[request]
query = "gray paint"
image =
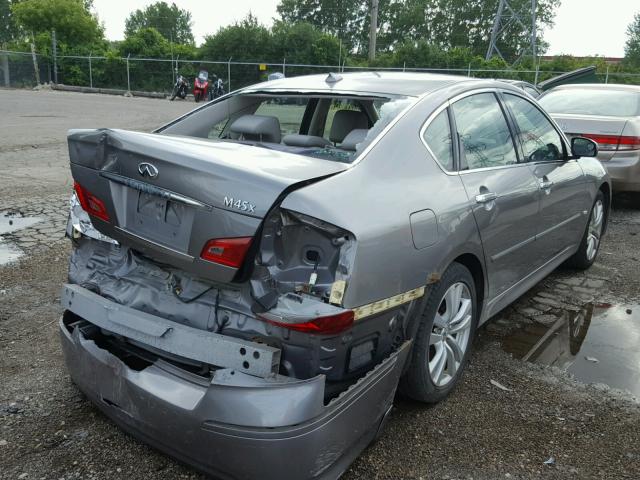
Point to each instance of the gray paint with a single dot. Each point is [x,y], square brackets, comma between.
[197,428]
[172,337]
[390,222]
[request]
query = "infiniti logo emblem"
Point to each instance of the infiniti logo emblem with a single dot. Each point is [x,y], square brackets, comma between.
[147,170]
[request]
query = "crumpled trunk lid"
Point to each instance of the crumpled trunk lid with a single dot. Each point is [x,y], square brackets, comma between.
[166,196]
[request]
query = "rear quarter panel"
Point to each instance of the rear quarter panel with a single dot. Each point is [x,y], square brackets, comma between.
[374,200]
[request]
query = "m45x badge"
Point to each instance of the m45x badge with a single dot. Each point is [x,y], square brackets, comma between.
[242,205]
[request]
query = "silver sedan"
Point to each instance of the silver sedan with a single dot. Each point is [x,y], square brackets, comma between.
[250,284]
[608,114]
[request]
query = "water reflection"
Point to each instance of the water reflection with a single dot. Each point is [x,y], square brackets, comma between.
[600,344]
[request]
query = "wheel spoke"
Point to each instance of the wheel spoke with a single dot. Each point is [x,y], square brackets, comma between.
[440,321]
[453,296]
[455,348]
[435,338]
[464,310]
[452,366]
[462,325]
[437,364]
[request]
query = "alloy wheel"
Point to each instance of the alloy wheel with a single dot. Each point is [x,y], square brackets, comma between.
[450,334]
[595,229]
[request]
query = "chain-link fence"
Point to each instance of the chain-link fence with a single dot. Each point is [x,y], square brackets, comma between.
[18,69]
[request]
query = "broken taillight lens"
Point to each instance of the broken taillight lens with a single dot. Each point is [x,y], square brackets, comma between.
[329,325]
[226,251]
[90,203]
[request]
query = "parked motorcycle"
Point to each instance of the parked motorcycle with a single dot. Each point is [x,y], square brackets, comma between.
[217,88]
[201,86]
[180,89]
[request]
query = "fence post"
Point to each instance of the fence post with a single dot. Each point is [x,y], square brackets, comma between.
[54,49]
[5,69]
[36,69]
[284,66]
[469,71]
[128,78]
[90,72]
[229,74]
[606,78]
[404,67]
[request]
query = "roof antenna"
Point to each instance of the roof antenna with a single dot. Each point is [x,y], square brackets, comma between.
[333,78]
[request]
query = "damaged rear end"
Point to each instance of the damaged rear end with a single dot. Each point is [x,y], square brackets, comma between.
[208,320]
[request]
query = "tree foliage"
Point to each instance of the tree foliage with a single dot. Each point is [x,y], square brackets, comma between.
[173,23]
[632,46]
[8,27]
[443,23]
[74,24]
[246,40]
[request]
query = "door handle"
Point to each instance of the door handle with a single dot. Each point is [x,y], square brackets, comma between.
[486,197]
[546,184]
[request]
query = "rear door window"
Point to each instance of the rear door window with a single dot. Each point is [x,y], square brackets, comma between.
[485,138]
[438,138]
[539,139]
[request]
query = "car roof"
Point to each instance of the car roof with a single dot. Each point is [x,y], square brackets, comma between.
[384,82]
[599,86]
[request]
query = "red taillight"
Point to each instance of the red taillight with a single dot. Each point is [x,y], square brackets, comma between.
[329,325]
[226,251]
[90,203]
[629,143]
[614,142]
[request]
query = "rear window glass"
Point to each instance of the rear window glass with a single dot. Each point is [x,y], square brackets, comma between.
[289,111]
[591,101]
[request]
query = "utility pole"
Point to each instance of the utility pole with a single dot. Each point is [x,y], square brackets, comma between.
[5,67]
[374,30]
[36,70]
[510,17]
[54,49]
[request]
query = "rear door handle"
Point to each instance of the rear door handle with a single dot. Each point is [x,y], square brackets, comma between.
[486,197]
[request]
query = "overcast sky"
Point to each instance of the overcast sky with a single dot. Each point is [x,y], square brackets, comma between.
[582,27]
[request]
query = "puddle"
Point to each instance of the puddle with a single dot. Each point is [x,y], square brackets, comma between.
[12,222]
[601,344]
[9,253]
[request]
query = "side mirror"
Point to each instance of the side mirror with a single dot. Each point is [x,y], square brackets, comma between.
[583,147]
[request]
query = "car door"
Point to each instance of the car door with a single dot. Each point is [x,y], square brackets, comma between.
[503,192]
[563,197]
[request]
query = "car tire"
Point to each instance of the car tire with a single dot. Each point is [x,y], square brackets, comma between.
[590,244]
[440,338]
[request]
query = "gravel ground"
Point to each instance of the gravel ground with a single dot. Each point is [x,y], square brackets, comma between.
[48,430]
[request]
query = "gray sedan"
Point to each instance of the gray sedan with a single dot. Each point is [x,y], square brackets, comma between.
[609,115]
[250,284]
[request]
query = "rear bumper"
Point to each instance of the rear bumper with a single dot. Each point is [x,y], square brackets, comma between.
[624,170]
[218,426]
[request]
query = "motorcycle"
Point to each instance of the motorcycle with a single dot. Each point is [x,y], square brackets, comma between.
[201,86]
[180,89]
[217,88]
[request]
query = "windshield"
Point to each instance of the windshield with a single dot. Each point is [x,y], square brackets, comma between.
[203,75]
[330,127]
[592,101]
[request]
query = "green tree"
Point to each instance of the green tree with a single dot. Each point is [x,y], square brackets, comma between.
[632,46]
[173,23]
[74,24]
[8,27]
[246,40]
[443,23]
[303,43]
[348,20]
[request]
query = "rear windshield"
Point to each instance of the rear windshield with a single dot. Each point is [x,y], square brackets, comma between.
[591,101]
[331,127]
